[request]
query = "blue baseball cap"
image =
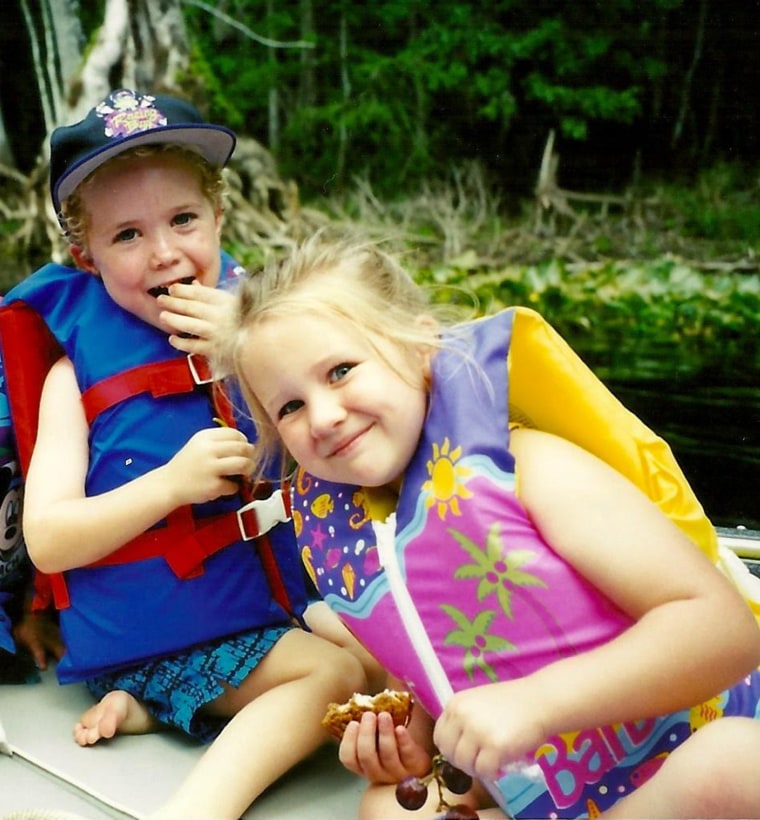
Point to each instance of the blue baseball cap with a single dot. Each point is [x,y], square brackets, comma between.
[126,119]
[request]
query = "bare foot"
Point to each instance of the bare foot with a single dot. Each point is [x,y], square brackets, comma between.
[117,712]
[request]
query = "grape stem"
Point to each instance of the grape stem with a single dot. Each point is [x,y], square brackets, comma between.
[438,761]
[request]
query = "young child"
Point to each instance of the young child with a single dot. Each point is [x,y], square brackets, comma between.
[179,584]
[560,633]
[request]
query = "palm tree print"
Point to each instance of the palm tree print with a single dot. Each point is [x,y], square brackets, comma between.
[497,568]
[474,638]
[501,573]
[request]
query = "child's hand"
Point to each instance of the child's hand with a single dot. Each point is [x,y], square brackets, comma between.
[210,465]
[195,315]
[382,753]
[40,635]
[485,728]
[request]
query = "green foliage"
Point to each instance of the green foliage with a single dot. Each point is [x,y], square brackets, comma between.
[402,87]
[629,320]
[723,205]
[649,302]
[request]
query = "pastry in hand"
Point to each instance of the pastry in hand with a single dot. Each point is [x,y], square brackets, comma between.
[339,715]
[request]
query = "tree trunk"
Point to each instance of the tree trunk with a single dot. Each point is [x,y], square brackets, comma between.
[273,132]
[345,87]
[141,44]
[685,104]
[307,87]
[93,83]
[158,45]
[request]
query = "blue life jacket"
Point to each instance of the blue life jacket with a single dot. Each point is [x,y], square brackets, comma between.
[202,574]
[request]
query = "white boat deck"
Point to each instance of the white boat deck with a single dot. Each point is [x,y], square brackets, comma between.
[43,773]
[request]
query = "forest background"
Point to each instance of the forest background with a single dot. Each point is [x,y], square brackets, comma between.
[597,161]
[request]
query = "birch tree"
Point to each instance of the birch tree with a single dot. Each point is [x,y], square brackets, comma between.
[140,44]
[137,43]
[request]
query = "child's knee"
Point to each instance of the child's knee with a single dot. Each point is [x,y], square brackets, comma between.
[327,667]
[342,668]
[711,773]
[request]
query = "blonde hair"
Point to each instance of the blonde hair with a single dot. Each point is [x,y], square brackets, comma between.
[351,280]
[74,214]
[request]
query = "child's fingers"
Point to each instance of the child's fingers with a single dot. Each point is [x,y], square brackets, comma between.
[177,323]
[377,751]
[198,297]
[174,310]
[413,757]
[347,749]
[387,744]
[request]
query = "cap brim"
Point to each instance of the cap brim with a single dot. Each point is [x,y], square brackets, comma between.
[214,143]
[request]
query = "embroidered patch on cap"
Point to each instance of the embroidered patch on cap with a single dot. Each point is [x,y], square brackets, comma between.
[125,112]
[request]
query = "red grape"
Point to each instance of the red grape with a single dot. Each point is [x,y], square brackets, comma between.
[460,812]
[454,779]
[411,793]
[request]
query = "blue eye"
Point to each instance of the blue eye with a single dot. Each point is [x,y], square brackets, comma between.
[184,218]
[289,407]
[341,371]
[126,235]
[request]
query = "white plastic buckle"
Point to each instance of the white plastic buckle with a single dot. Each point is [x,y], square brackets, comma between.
[194,371]
[269,511]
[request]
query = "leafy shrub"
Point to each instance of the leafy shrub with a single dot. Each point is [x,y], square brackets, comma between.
[628,320]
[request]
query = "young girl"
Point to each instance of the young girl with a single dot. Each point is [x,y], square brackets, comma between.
[560,633]
[171,609]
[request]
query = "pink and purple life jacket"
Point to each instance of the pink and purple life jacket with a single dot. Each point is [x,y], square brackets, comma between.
[457,588]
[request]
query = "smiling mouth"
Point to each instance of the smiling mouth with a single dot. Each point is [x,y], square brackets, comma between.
[347,444]
[163,290]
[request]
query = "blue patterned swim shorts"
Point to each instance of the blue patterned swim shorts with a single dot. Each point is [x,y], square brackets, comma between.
[174,689]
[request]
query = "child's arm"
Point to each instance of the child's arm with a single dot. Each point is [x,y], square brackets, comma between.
[195,316]
[693,636]
[64,528]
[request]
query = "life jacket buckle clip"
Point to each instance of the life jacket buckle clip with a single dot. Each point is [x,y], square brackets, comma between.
[266,512]
[199,369]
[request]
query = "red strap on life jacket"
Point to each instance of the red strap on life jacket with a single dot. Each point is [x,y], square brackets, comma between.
[167,378]
[186,542]
[266,552]
[29,350]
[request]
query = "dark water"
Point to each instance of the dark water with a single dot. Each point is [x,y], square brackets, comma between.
[714,432]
